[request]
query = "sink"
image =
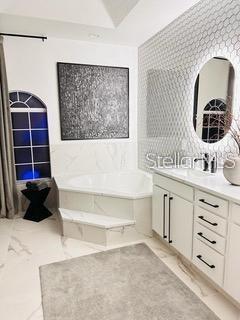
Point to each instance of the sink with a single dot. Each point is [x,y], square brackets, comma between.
[200,173]
[187,172]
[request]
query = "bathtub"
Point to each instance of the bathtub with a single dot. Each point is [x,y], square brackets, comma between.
[128,185]
[120,195]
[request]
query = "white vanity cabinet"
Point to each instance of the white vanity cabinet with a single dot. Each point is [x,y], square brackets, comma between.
[201,223]
[172,214]
[159,208]
[210,231]
[181,225]
[232,272]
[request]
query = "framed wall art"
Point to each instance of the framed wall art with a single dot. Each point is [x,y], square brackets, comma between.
[94,101]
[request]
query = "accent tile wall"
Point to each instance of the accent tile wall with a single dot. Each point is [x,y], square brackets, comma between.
[168,66]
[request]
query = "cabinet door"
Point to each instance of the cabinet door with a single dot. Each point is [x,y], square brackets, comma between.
[181,225]
[159,210]
[232,271]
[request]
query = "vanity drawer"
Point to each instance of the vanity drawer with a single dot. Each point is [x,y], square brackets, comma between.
[211,221]
[212,203]
[174,186]
[208,261]
[236,213]
[210,238]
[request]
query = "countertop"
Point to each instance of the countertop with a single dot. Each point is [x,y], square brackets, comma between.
[213,183]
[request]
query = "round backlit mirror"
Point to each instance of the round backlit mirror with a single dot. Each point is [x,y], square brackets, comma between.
[213,100]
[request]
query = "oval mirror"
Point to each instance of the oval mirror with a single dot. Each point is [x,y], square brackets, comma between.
[213,100]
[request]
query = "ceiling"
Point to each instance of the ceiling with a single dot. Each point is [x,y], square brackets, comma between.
[127,22]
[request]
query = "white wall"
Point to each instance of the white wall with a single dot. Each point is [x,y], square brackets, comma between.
[31,66]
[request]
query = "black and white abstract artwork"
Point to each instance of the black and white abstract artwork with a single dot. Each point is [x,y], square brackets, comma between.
[94,101]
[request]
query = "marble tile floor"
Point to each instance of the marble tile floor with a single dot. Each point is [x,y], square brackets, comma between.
[25,245]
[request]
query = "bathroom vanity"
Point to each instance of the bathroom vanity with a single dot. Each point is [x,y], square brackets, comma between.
[198,214]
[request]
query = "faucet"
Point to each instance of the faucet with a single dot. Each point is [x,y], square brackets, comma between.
[206,159]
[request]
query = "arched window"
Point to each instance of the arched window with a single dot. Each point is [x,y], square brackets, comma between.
[213,128]
[30,136]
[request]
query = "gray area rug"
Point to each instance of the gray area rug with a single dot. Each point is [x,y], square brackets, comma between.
[129,283]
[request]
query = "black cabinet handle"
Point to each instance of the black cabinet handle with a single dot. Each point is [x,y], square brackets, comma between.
[164,215]
[169,220]
[209,265]
[202,236]
[209,204]
[211,223]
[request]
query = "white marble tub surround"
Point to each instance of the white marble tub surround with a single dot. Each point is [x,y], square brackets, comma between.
[91,156]
[122,195]
[214,183]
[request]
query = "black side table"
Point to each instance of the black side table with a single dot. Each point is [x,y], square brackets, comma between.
[36,210]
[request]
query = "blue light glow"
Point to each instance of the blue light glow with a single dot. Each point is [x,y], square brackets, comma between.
[27,175]
[37,174]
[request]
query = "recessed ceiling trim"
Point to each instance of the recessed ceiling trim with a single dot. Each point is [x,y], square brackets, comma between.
[119,9]
[144,20]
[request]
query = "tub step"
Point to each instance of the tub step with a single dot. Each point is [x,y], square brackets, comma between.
[99,229]
[93,219]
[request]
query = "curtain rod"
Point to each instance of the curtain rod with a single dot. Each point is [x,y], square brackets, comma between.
[23,36]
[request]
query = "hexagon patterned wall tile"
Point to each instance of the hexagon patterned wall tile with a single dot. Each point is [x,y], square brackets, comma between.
[168,66]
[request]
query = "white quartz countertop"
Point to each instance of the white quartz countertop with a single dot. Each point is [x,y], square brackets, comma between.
[212,183]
